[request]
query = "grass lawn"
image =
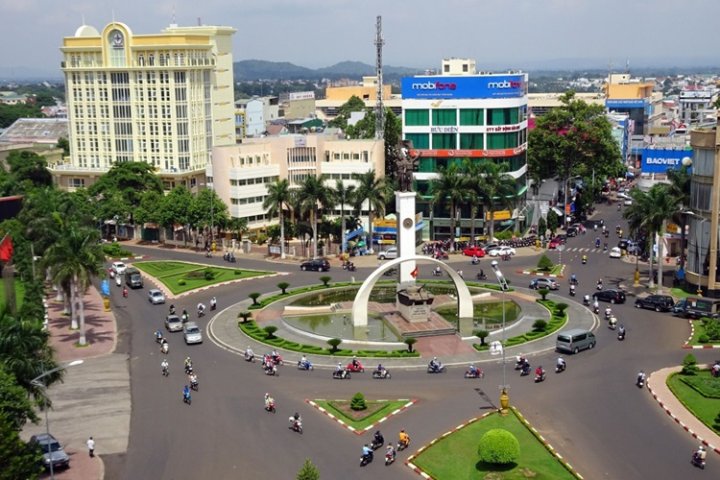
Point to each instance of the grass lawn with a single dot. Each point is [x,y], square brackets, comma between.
[19,294]
[699,329]
[456,458]
[704,408]
[181,277]
[680,293]
[363,418]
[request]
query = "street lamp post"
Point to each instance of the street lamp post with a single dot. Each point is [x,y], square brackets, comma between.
[37,383]
[504,397]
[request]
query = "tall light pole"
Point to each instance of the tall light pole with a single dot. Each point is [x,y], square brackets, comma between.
[37,383]
[504,397]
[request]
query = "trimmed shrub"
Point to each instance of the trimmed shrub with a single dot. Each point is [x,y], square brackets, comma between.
[114,250]
[209,275]
[182,283]
[308,471]
[543,292]
[254,296]
[716,423]
[499,447]
[334,343]
[689,365]
[358,402]
[244,315]
[410,341]
[270,331]
[325,279]
[561,307]
[539,326]
[237,272]
[545,264]
[482,335]
[283,286]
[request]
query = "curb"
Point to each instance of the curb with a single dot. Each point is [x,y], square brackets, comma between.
[409,404]
[519,416]
[678,421]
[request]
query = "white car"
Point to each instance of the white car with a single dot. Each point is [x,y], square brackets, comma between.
[391,252]
[119,268]
[500,251]
[628,202]
[615,252]
[624,196]
[192,333]
[156,297]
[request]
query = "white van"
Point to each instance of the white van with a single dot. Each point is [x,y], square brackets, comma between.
[572,341]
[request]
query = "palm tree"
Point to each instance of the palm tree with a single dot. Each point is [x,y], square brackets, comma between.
[450,188]
[75,258]
[648,212]
[498,188]
[343,195]
[680,180]
[278,198]
[473,184]
[312,196]
[374,190]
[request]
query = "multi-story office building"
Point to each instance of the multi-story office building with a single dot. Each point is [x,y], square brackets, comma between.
[241,173]
[464,114]
[697,105]
[165,99]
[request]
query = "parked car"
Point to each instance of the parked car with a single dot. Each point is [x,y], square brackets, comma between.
[118,267]
[192,333]
[554,243]
[501,251]
[173,323]
[659,303]
[611,295]
[490,246]
[316,265]
[549,283]
[627,202]
[678,310]
[391,252]
[572,231]
[615,252]
[156,297]
[52,451]
[474,252]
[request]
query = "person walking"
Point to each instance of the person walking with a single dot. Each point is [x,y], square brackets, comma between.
[91,446]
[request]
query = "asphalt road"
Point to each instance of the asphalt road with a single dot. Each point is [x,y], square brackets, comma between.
[592,413]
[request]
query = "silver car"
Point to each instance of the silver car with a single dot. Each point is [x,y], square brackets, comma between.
[173,323]
[391,252]
[192,333]
[156,297]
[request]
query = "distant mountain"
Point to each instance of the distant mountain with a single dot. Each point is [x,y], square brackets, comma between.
[261,69]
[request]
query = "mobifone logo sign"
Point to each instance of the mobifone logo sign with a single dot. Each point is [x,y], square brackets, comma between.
[434,86]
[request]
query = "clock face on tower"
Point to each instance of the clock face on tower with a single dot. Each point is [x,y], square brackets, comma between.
[407,223]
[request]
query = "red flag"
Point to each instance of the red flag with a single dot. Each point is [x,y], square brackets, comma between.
[415,272]
[6,249]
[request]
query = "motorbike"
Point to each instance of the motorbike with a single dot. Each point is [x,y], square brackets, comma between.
[403,445]
[438,368]
[540,378]
[194,385]
[599,286]
[355,367]
[596,309]
[341,374]
[275,359]
[306,365]
[520,362]
[697,461]
[621,335]
[474,261]
[584,260]
[608,314]
[481,276]
[296,425]
[612,323]
[188,368]
[270,407]
[381,374]
[208,254]
[186,398]
[158,337]
[377,443]
[572,290]
[271,370]
[366,458]
[201,312]
[437,273]
[525,370]
[125,292]
[586,300]
[165,371]
[165,348]
[597,243]
[560,367]
[172,309]
[477,373]
[213,306]
[249,357]
[389,458]
[640,382]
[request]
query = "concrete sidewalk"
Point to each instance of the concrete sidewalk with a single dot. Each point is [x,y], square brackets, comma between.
[657,384]
[94,397]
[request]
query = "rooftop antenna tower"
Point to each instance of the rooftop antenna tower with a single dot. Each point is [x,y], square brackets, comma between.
[627,65]
[379,106]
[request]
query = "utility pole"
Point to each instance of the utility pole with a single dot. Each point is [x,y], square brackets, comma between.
[379,106]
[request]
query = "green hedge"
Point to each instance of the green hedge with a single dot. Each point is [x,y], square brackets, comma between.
[251,329]
[556,323]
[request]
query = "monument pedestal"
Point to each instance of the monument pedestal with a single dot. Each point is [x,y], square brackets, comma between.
[413,303]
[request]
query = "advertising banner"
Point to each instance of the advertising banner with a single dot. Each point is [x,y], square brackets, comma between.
[656,160]
[495,86]
[625,103]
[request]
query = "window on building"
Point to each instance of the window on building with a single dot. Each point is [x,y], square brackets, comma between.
[503,116]
[471,116]
[444,117]
[77,182]
[446,141]
[471,141]
[419,140]
[414,117]
[502,140]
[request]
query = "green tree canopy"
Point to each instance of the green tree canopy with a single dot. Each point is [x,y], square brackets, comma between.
[28,170]
[354,104]
[14,402]
[130,180]
[176,207]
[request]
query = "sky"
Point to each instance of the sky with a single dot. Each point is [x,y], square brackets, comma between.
[519,34]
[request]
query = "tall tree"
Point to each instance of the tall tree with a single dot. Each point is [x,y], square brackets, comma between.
[130,180]
[648,212]
[343,195]
[208,211]
[473,184]
[354,104]
[28,170]
[450,189]
[498,189]
[175,209]
[374,190]
[393,134]
[275,203]
[14,402]
[680,180]
[18,459]
[314,196]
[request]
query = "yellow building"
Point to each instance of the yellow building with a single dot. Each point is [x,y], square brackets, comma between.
[165,99]
[367,90]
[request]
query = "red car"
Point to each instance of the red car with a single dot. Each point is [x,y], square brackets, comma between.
[554,243]
[474,252]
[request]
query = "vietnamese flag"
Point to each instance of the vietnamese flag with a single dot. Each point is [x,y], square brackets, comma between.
[6,249]
[414,273]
